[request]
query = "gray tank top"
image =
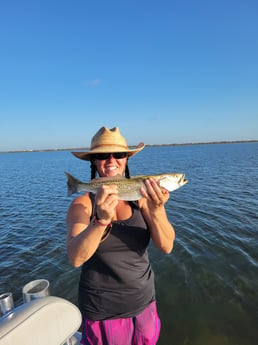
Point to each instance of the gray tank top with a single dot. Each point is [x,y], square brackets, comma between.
[117,281]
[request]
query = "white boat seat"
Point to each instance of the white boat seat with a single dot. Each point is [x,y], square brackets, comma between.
[44,321]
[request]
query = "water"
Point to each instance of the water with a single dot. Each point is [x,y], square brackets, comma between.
[207,288]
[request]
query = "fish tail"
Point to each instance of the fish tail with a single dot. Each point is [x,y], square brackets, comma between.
[72,184]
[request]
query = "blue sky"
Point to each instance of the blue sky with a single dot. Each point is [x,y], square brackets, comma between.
[163,71]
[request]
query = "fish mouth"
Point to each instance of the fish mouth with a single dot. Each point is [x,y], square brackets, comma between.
[182,180]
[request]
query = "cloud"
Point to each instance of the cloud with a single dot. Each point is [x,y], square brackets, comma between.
[94,82]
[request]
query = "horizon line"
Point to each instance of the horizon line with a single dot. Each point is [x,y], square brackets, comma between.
[131,146]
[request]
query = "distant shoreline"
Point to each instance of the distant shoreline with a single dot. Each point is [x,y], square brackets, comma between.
[147,145]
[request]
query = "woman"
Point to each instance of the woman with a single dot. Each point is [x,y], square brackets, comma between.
[109,237]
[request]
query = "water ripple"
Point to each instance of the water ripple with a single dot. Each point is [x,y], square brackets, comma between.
[207,288]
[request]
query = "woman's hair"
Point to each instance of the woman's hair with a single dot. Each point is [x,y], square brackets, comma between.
[94,170]
[127,172]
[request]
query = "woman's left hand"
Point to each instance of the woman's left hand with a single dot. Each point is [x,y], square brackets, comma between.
[156,196]
[153,209]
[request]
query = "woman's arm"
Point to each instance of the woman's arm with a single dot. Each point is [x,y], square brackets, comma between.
[153,210]
[83,236]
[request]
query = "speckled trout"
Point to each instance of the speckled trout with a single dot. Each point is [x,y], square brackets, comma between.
[128,189]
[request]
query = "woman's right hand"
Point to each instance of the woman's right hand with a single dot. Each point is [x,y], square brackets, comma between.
[106,200]
[83,236]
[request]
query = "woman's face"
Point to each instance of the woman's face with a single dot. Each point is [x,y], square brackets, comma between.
[110,166]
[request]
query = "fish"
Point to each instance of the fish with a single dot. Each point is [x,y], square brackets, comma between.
[128,189]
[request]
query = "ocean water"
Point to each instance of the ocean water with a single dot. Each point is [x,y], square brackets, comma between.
[207,288]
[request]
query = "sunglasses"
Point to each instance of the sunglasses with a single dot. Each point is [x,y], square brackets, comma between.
[104,156]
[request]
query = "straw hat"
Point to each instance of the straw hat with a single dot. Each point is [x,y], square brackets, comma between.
[108,140]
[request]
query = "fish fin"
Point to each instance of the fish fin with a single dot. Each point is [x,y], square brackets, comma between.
[72,184]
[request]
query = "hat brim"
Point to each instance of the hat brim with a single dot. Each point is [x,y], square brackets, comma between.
[87,156]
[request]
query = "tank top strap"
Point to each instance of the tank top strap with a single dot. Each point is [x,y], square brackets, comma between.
[92,199]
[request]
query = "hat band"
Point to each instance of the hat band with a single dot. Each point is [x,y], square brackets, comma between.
[107,145]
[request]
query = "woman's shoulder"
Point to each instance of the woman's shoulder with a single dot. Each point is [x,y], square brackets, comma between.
[80,206]
[82,199]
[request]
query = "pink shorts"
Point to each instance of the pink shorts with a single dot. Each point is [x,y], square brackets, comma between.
[142,329]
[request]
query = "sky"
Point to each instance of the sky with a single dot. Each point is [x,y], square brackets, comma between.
[163,71]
